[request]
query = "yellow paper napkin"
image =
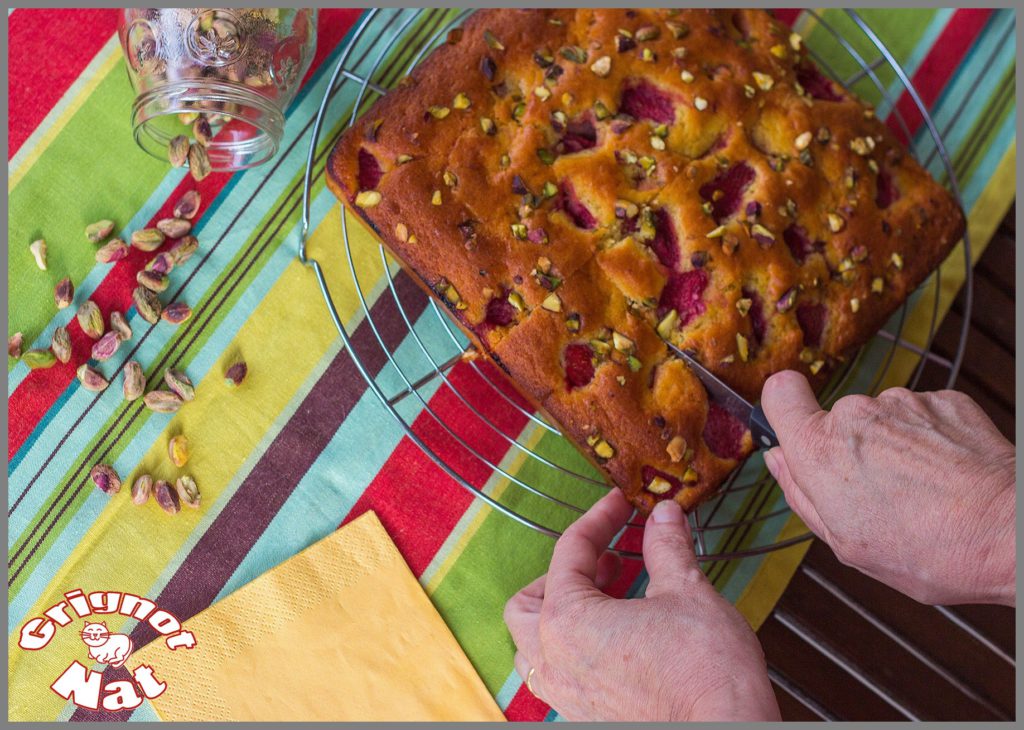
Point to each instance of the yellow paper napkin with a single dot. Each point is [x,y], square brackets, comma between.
[341,631]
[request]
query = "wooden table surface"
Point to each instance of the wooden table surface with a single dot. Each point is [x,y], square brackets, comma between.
[842,646]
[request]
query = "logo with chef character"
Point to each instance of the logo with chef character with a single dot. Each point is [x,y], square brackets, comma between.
[84,685]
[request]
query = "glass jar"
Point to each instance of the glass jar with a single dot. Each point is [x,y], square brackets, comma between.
[237,68]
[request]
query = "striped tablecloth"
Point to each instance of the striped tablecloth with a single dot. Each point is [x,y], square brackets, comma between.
[303,447]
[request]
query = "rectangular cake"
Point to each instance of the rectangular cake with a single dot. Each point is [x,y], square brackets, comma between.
[578,186]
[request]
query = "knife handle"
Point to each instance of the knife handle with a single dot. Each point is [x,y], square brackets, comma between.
[761,430]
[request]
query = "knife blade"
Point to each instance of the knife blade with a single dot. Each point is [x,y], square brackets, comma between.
[733,403]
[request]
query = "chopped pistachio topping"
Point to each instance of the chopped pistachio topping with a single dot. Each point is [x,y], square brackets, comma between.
[461,101]
[764,81]
[859,145]
[516,300]
[690,476]
[803,140]
[749,91]
[677,29]
[602,66]
[572,323]
[742,347]
[435,199]
[758,230]
[542,92]
[700,103]
[657,142]
[854,305]
[505,161]
[647,55]
[604,449]
[574,54]
[402,159]
[676,448]
[634,363]
[877,285]
[439,112]
[518,111]
[368,198]
[402,232]
[488,126]
[659,486]
[816,366]
[668,324]
[873,166]
[449,178]
[686,76]
[549,190]
[806,355]
[519,231]
[897,261]
[836,223]
[621,342]
[743,306]
[794,41]
[552,303]
[778,50]
[717,232]
[492,41]
[601,111]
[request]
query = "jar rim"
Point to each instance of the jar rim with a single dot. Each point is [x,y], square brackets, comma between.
[227,153]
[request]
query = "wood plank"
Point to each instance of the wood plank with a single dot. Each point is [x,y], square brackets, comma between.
[998,261]
[993,311]
[923,627]
[986,363]
[911,682]
[791,709]
[819,677]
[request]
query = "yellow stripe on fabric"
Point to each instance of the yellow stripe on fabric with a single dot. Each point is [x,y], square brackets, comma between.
[105,61]
[282,341]
[768,583]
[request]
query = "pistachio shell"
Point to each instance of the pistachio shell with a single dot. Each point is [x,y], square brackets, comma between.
[188,491]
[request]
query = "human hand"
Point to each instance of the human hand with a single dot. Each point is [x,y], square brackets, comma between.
[915,489]
[680,653]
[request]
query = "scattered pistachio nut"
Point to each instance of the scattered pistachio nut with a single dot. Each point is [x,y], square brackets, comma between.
[676,448]
[604,449]
[236,374]
[177,450]
[119,325]
[198,162]
[188,491]
[38,249]
[183,249]
[90,318]
[142,488]
[176,313]
[99,230]
[162,263]
[177,150]
[162,401]
[152,280]
[659,485]
[148,239]
[180,384]
[188,205]
[174,227]
[201,131]
[14,343]
[105,479]
[148,304]
[106,346]
[602,66]
[39,359]
[166,497]
[111,251]
[60,344]
[134,381]
[700,103]
[91,379]
[64,293]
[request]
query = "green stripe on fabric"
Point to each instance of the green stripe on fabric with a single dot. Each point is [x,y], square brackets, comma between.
[81,177]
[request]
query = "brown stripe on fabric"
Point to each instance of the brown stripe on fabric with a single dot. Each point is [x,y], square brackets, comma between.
[92,455]
[220,550]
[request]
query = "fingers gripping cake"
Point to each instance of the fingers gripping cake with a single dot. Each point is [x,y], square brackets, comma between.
[578,186]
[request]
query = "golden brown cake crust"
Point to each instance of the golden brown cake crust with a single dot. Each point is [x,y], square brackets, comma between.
[578,185]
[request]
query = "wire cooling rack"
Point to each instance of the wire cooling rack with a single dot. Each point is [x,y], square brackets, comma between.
[488,439]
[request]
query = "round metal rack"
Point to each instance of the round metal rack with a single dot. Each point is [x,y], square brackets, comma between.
[406,347]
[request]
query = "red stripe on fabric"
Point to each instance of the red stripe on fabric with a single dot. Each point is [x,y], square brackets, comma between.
[415,500]
[331,27]
[36,394]
[938,67]
[524,707]
[787,15]
[47,50]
